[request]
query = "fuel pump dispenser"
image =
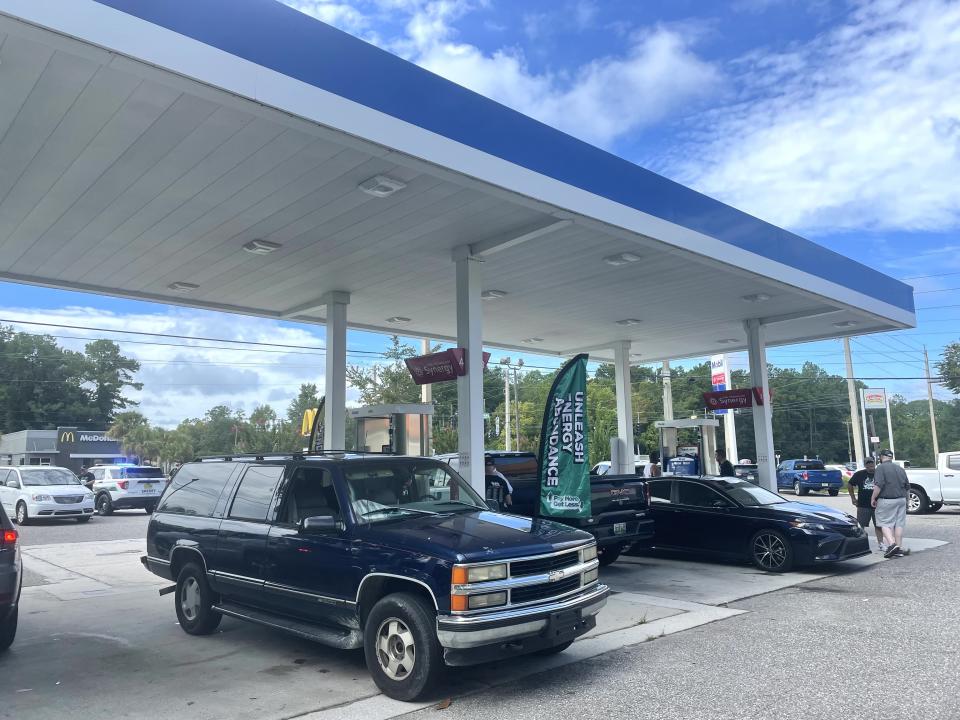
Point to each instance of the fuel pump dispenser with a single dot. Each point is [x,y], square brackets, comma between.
[400,429]
[701,462]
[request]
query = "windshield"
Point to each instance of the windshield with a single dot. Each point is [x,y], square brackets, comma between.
[381,490]
[750,495]
[47,476]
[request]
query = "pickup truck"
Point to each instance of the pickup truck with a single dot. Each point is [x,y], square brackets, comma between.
[802,476]
[932,488]
[620,504]
[358,552]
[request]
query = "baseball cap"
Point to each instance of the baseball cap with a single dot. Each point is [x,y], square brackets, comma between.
[886,453]
[870,461]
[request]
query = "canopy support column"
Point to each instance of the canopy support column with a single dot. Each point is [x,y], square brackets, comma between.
[621,365]
[470,386]
[762,413]
[335,375]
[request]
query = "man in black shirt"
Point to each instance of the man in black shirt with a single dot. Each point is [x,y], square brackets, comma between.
[726,467]
[862,482]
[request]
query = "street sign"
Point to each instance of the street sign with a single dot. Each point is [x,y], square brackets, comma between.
[726,399]
[874,399]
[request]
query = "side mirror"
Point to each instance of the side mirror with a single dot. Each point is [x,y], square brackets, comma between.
[319,524]
[494,505]
[13,484]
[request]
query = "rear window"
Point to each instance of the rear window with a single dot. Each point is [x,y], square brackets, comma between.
[142,472]
[953,462]
[196,488]
[516,466]
[255,493]
[808,465]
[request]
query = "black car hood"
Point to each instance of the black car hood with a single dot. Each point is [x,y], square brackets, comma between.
[811,511]
[476,536]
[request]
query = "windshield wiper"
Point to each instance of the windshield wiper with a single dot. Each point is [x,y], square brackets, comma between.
[395,509]
[460,502]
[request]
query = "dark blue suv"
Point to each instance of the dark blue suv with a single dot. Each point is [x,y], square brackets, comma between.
[397,555]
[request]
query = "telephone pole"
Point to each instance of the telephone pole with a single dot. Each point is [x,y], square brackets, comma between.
[506,402]
[933,420]
[858,442]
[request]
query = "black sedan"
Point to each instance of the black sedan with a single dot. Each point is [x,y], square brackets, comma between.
[731,518]
[11,580]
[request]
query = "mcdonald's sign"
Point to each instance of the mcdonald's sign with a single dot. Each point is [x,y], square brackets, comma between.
[68,436]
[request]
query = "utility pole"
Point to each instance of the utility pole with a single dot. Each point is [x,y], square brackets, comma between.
[516,396]
[507,410]
[858,443]
[933,420]
[846,424]
[669,435]
[426,396]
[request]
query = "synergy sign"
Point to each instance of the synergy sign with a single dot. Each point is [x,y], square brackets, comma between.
[564,470]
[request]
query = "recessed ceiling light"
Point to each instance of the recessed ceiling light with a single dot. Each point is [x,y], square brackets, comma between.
[182,287]
[621,259]
[629,321]
[493,294]
[727,341]
[755,297]
[261,247]
[846,323]
[381,186]
[532,340]
[398,320]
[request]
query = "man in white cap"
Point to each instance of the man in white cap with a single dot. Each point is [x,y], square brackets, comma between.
[891,489]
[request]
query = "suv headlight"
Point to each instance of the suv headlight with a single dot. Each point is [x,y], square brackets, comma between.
[41,498]
[588,554]
[463,575]
[88,496]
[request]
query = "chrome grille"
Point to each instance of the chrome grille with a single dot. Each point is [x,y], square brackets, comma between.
[68,499]
[520,568]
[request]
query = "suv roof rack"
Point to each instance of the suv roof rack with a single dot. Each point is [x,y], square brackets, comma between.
[294,455]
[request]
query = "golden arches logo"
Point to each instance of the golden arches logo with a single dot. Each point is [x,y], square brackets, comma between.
[68,437]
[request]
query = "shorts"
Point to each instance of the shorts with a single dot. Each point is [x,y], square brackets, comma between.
[891,512]
[865,515]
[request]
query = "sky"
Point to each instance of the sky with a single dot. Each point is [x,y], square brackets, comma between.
[838,120]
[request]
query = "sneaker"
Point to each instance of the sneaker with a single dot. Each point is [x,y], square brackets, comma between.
[891,551]
[881,547]
[901,552]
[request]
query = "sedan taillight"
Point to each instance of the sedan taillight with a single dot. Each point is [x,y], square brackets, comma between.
[9,537]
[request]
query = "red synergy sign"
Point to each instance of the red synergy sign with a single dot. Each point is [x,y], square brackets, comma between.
[727,399]
[438,367]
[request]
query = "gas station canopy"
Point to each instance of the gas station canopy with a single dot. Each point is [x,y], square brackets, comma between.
[237,155]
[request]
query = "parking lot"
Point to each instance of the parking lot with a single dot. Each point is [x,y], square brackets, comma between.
[92,622]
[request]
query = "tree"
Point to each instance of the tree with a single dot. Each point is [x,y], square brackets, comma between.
[110,373]
[388,382]
[949,367]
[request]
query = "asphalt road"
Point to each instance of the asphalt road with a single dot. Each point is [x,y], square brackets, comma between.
[122,525]
[879,644]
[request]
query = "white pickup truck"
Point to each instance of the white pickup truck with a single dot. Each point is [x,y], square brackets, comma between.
[932,488]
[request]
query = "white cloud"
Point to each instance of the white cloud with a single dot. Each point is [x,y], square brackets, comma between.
[185,378]
[658,74]
[858,129]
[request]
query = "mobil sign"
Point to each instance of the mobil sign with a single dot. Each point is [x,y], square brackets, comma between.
[718,377]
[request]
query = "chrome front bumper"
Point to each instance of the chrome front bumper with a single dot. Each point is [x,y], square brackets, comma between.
[471,631]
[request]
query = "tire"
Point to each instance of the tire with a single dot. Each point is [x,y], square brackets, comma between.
[84,519]
[104,505]
[608,554]
[8,630]
[798,489]
[933,507]
[917,501]
[401,648]
[21,516]
[194,601]
[834,492]
[556,649]
[771,551]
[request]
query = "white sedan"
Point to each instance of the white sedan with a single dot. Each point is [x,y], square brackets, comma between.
[43,491]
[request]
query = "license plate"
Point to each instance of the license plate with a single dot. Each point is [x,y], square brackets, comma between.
[620,528]
[824,484]
[147,487]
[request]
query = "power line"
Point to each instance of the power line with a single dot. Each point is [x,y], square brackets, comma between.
[924,292]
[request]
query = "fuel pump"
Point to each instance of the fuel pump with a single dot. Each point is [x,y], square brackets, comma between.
[703,460]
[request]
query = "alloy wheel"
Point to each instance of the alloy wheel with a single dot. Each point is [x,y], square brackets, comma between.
[913,501]
[770,551]
[190,598]
[21,514]
[396,650]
